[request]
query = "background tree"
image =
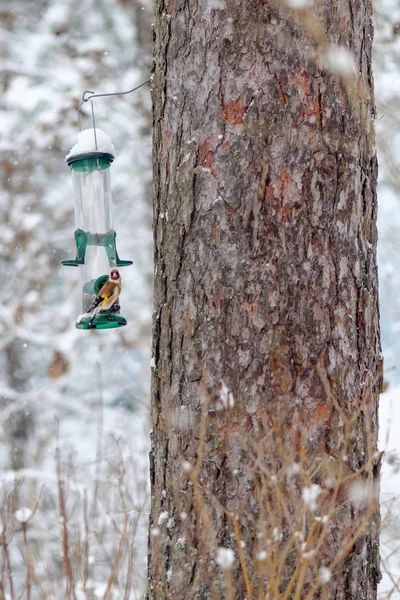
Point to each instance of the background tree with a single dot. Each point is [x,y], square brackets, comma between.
[266,326]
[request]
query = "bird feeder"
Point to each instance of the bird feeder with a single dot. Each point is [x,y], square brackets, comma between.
[96,252]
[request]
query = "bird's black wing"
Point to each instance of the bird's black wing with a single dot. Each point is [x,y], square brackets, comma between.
[98,301]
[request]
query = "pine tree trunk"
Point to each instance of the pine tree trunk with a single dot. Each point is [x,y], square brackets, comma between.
[266,324]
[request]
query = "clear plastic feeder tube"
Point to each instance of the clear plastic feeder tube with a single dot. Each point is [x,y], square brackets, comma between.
[93,214]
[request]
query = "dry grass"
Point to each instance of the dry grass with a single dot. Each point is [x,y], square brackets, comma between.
[62,539]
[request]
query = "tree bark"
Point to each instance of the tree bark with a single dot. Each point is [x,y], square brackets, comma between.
[266,323]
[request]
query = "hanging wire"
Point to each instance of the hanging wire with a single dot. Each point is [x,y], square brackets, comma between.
[94,95]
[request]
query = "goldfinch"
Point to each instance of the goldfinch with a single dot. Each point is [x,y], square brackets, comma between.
[107,295]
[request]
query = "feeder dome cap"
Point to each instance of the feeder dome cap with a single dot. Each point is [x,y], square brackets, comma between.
[86,145]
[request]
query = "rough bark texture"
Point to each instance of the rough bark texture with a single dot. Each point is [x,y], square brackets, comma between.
[265,260]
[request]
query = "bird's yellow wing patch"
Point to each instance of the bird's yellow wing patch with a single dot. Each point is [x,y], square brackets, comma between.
[105,298]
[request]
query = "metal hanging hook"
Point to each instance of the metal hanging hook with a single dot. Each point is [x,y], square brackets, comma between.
[86,98]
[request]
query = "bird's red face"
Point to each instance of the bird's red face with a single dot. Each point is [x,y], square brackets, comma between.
[114,275]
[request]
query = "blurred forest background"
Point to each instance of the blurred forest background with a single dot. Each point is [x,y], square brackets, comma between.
[74,405]
[93,387]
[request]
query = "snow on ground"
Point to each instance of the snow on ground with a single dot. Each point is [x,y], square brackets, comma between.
[389,441]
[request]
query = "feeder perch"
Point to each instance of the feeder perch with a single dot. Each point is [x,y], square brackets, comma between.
[96,251]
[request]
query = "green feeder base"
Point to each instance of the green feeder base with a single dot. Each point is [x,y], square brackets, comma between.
[102,320]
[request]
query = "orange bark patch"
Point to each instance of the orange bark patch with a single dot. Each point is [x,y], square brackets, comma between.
[343,25]
[165,137]
[270,194]
[234,112]
[317,110]
[285,212]
[318,313]
[311,108]
[283,181]
[251,308]
[286,381]
[217,297]
[249,423]
[207,155]
[283,185]
[282,95]
[215,233]
[301,82]
[316,414]
[169,6]
[226,145]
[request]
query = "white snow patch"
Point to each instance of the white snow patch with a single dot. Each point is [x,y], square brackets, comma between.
[153,363]
[276,536]
[86,143]
[210,5]
[23,514]
[262,555]
[359,493]
[293,469]
[310,495]
[82,316]
[100,590]
[154,532]
[324,575]
[163,518]
[299,4]
[226,399]
[322,520]
[225,558]
[339,60]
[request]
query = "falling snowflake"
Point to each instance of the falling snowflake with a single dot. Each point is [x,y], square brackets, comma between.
[226,399]
[324,575]
[225,558]
[310,495]
[339,60]
[23,515]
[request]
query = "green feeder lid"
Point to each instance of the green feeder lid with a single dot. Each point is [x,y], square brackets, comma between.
[86,163]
